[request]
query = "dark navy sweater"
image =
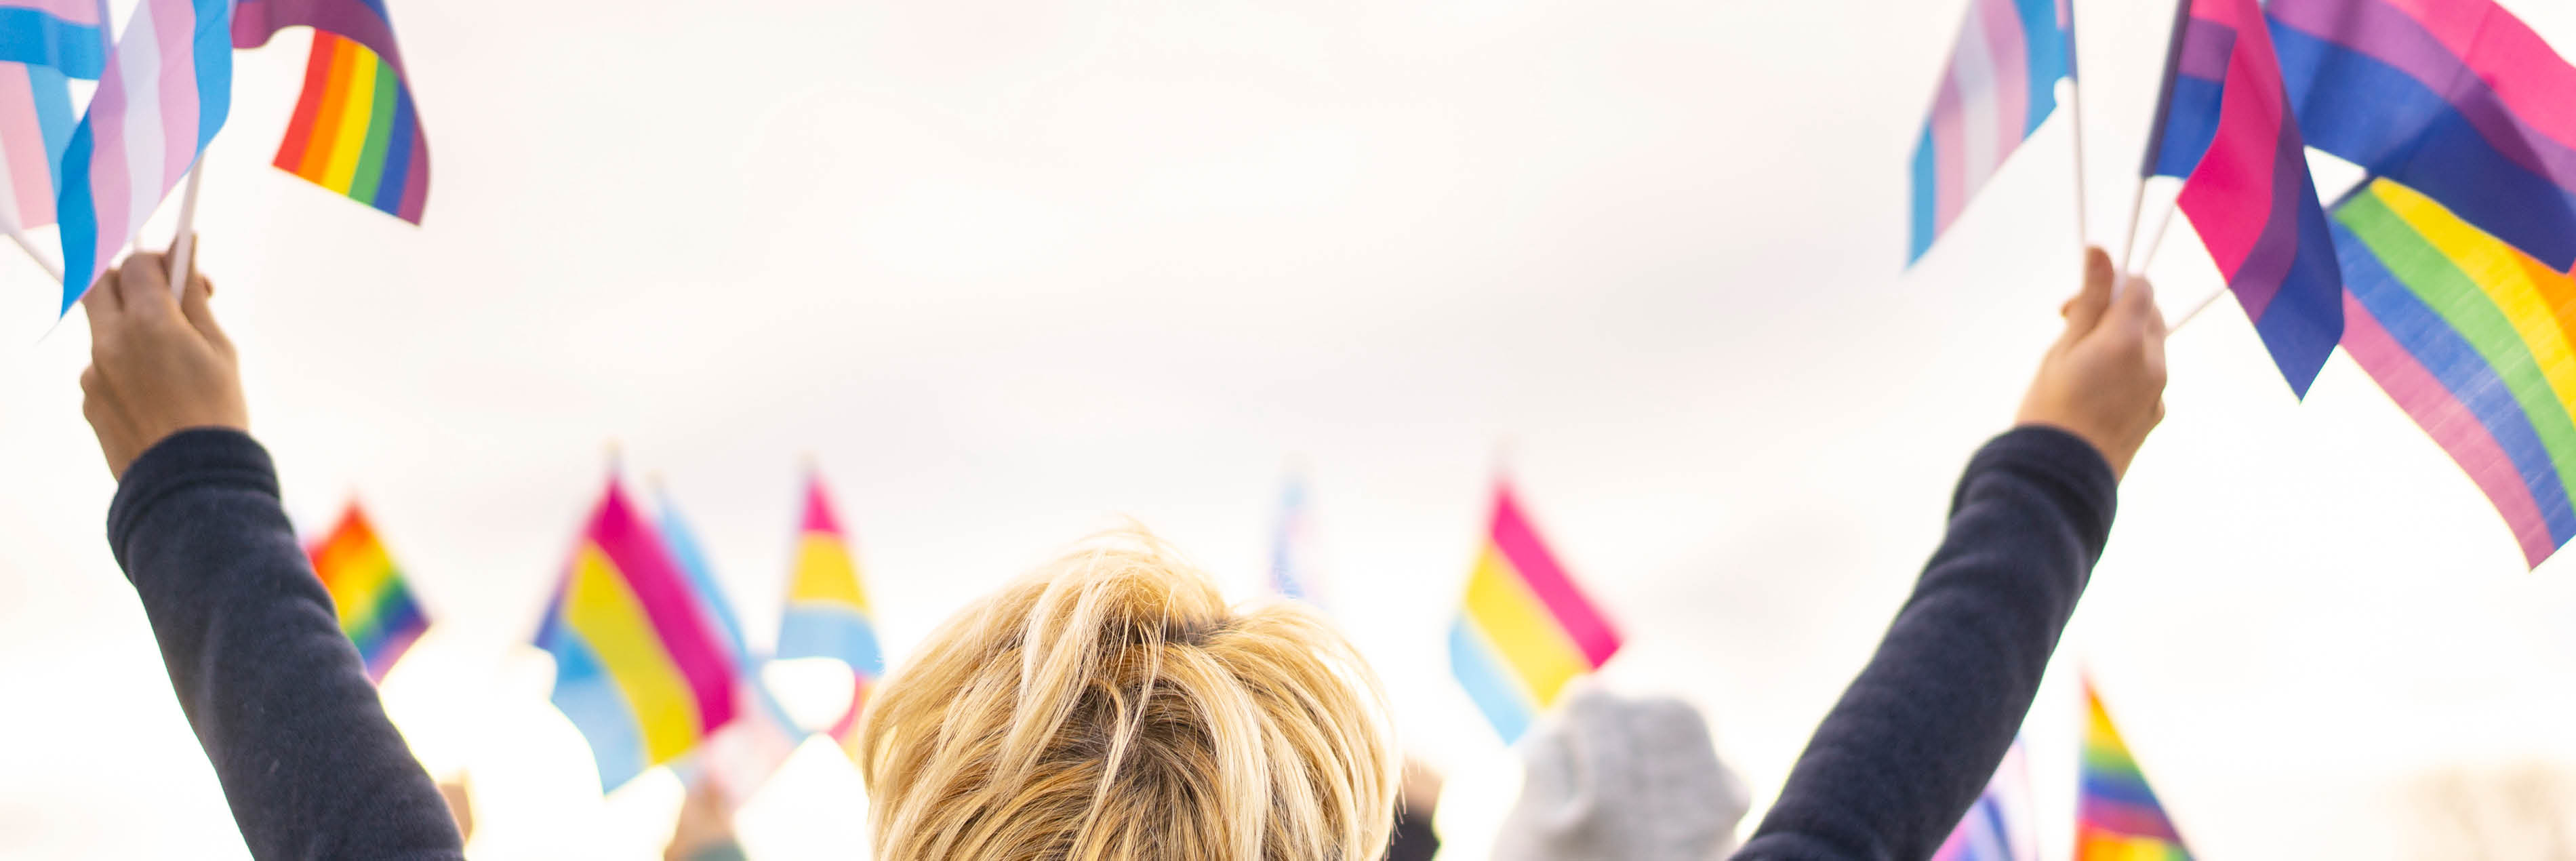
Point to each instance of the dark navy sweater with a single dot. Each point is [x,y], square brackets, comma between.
[275,692]
[312,768]
[1918,734]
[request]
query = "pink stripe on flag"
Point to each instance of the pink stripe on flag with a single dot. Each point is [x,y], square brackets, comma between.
[2450,423]
[2531,78]
[663,591]
[73,11]
[1950,153]
[2011,77]
[178,30]
[22,143]
[1520,546]
[2239,166]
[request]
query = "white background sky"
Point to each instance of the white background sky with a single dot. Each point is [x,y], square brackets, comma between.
[1009,270]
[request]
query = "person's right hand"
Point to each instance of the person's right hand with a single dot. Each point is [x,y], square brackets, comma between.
[2104,379]
[158,365]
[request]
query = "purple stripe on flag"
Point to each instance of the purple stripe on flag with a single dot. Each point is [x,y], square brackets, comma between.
[2205,48]
[2386,34]
[255,21]
[2451,424]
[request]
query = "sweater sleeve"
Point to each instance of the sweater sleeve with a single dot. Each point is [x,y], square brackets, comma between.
[274,691]
[1918,734]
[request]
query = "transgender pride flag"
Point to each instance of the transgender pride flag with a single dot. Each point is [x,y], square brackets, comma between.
[2001,84]
[69,36]
[166,90]
[2226,126]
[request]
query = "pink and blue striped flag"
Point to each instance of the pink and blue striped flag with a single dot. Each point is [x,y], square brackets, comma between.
[35,125]
[828,614]
[69,36]
[2000,85]
[2000,826]
[2457,99]
[166,91]
[639,667]
[2225,125]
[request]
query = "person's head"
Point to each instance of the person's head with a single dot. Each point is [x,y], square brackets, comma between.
[1110,706]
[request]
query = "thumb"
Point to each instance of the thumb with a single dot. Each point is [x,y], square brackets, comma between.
[2085,310]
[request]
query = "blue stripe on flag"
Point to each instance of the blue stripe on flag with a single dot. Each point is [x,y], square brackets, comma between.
[39,39]
[587,696]
[815,630]
[1495,692]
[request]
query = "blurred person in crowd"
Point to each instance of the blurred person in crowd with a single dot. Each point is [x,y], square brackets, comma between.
[1109,705]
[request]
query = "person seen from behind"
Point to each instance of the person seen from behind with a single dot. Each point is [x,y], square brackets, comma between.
[1109,706]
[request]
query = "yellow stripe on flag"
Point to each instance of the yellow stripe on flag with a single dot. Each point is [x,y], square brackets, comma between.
[1522,630]
[824,573]
[2498,271]
[606,614]
[349,141]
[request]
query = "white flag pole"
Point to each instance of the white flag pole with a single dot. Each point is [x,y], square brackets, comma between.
[2075,112]
[183,246]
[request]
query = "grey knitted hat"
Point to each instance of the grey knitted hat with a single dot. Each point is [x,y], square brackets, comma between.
[1614,779]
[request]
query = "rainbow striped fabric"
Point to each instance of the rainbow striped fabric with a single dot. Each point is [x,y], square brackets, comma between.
[2000,85]
[166,91]
[742,754]
[355,130]
[2226,127]
[2458,99]
[35,126]
[1999,827]
[639,667]
[2473,339]
[68,36]
[2117,817]
[374,601]
[827,608]
[1525,630]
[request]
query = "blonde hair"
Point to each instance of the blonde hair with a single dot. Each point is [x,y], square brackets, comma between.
[1109,706]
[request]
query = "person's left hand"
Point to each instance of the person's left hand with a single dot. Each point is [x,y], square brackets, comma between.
[158,365]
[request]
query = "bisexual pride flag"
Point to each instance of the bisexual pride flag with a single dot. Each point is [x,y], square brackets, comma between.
[2000,85]
[639,668]
[2457,99]
[2226,127]
[1525,630]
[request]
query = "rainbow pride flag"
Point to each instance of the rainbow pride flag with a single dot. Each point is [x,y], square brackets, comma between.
[2225,125]
[1525,630]
[166,91]
[374,602]
[827,607]
[356,130]
[2000,826]
[2000,85]
[2117,817]
[746,751]
[2457,99]
[639,667]
[2471,337]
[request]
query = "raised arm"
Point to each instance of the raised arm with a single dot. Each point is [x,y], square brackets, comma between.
[277,696]
[1916,736]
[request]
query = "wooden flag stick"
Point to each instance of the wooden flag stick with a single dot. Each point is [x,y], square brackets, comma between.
[183,246]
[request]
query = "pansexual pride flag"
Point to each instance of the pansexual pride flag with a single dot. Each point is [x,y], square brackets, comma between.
[35,126]
[2472,338]
[68,36]
[1525,630]
[2117,817]
[2226,127]
[165,93]
[827,608]
[2457,99]
[742,754]
[639,667]
[2000,85]
[355,130]
[1999,827]
[375,603]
